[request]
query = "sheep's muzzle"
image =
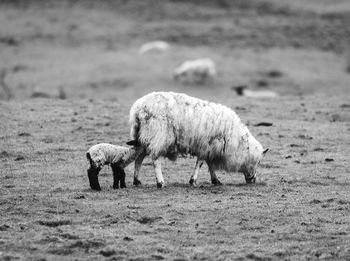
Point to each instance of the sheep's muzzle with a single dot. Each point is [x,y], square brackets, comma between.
[250,179]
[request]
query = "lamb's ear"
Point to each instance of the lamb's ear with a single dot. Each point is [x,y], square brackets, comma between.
[264,152]
[133,143]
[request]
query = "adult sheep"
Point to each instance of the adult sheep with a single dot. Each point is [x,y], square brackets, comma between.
[167,124]
[199,71]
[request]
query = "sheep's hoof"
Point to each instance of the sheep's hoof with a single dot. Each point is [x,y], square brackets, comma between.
[96,188]
[123,186]
[160,184]
[137,182]
[216,182]
[193,182]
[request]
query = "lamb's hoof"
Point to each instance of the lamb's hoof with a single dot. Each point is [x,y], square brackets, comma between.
[122,186]
[160,184]
[250,180]
[216,182]
[137,182]
[193,182]
[96,188]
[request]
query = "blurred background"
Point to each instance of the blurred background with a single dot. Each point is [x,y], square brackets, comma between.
[85,49]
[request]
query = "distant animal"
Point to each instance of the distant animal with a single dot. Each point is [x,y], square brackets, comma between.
[118,157]
[199,71]
[242,90]
[168,124]
[156,46]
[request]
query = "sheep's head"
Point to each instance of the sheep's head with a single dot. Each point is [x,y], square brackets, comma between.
[179,72]
[255,152]
[177,75]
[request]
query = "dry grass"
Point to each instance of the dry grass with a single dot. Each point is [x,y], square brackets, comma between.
[85,60]
[298,209]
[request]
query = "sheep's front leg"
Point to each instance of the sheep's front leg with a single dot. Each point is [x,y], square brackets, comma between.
[138,163]
[214,179]
[118,176]
[158,170]
[193,179]
[93,178]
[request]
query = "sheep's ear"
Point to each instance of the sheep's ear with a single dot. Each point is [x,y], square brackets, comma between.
[266,150]
[133,143]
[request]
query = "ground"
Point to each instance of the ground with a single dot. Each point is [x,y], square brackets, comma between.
[70,72]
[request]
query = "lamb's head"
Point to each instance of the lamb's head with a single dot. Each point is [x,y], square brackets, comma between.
[252,155]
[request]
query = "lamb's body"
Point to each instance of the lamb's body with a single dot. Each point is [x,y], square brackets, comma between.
[167,124]
[197,71]
[118,157]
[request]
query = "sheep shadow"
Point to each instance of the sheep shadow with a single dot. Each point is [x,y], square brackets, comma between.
[207,187]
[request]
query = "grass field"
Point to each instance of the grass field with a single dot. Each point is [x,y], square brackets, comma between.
[298,209]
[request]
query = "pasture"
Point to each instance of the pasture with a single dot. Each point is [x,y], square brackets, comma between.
[71,71]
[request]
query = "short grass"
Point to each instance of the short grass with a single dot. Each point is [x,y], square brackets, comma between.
[300,205]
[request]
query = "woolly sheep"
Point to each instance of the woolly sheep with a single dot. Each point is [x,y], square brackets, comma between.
[167,124]
[200,71]
[118,157]
[156,46]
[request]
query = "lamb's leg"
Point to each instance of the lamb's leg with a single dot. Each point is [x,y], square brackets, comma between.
[122,179]
[214,179]
[158,170]
[118,176]
[93,178]
[138,163]
[193,179]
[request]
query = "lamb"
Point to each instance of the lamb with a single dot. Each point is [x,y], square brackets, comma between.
[200,71]
[167,124]
[117,156]
[156,46]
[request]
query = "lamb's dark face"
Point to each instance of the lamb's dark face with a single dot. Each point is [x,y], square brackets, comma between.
[93,178]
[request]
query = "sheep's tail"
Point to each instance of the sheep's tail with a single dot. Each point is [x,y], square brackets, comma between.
[134,125]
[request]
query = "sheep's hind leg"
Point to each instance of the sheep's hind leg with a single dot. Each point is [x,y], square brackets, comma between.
[118,176]
[214,179]
[193,179]
[93,178]
[158,170]
[138,163]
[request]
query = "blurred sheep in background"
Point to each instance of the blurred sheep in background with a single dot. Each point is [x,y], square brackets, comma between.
[199,71]
[242,90]
[155,46]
